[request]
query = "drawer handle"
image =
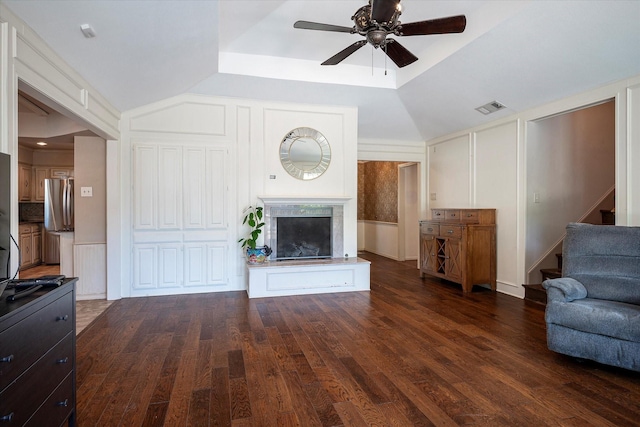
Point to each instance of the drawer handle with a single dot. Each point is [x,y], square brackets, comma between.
[450,231]
[7,359]
[469,215]
[65,360]
[65,318]
[63,403]
[7,417]
[429,229]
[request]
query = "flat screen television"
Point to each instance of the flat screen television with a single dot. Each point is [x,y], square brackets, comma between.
[5,216]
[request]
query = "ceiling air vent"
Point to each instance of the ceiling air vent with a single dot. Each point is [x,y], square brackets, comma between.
[491,107]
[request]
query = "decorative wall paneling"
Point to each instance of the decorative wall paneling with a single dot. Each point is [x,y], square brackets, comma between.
[90,261]
[480,169]
[180,230]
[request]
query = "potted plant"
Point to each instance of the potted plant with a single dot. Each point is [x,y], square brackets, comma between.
[253,218]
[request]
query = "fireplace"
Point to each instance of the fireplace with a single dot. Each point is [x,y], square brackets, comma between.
[303,237]
[314,227]
[304,231]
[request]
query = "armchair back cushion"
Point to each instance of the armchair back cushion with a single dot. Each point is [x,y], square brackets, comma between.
[605,259]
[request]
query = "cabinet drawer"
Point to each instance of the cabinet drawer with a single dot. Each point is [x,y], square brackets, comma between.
[58,406]
[24,229]
[452,215]
[430,228]
[450,231]
[437,214]
[469,216]
[26,341]
[23,397]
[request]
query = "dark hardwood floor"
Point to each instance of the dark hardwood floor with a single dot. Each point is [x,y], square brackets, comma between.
[411,352]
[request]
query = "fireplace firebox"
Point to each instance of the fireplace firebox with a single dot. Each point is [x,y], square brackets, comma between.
[304,231]
[303,237]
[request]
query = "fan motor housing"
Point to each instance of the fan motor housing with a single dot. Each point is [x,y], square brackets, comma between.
[376,37]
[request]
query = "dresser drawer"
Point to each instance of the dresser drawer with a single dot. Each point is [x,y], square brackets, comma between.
[430,228]
[452,215]
[437,214]
[26,341]
[58,406]
[447,230]
[23,397]
[469,216]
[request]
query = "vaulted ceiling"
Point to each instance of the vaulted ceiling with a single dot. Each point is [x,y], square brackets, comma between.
[520,53]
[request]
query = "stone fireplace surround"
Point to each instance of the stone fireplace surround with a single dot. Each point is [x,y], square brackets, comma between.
[335,212]
[341,273]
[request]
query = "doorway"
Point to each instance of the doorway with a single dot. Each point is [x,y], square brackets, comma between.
[388,208]
[54,144]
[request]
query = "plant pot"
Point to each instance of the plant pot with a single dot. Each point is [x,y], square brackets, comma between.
[258,255]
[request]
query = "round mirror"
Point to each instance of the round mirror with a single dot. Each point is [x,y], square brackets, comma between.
[305,153]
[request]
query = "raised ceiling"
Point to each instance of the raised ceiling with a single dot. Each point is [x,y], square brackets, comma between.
[520,53]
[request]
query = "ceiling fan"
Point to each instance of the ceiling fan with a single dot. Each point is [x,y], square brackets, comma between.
[379,19]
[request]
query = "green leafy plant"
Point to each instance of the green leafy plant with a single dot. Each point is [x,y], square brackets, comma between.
[253,218]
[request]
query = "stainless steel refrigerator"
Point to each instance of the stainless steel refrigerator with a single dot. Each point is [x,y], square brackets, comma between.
[58,214]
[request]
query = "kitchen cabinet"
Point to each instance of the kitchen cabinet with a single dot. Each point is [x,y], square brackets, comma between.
[40,175]
[30,245]
[37,357]
[44,172]
[459,245]
[24,182]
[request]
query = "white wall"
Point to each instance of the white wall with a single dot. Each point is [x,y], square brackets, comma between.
[250,132]
[449,173]
[570,167]
[485,155]
[480,169]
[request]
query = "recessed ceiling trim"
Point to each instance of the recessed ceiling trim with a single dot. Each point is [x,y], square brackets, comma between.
[304,70]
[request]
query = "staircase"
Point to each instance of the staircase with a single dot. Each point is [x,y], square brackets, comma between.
[536,293]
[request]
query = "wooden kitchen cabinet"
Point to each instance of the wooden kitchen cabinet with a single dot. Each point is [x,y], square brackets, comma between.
[30,245]
[40,175]
[24,182]
[460,245]
[43,172]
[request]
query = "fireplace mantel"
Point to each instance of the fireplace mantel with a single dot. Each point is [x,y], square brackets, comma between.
[316,200]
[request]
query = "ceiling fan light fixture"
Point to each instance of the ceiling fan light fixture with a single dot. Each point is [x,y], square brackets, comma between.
[490,107]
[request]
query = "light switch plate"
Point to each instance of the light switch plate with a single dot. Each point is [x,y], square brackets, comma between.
[86,191]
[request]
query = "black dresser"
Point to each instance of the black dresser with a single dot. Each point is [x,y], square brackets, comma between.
[38,357]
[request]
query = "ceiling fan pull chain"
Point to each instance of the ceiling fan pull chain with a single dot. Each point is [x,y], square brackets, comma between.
[372,49]
[385,58]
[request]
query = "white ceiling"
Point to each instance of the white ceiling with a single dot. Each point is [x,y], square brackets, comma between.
[521,53]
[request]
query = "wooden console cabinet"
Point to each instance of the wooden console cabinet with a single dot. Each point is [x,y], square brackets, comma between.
[37,358]
[460,245]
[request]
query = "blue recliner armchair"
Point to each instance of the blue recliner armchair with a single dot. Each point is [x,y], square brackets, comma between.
[593,311]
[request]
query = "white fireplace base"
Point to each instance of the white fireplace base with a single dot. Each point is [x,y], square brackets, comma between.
[304,277]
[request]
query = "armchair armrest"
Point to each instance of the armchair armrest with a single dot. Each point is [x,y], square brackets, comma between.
[564,289]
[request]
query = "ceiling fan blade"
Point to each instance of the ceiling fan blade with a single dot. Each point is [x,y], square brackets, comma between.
[343,54]
[306,25]
[399,54]
[383,10]
[452,24]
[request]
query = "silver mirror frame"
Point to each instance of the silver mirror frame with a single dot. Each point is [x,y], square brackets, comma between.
[319,164]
